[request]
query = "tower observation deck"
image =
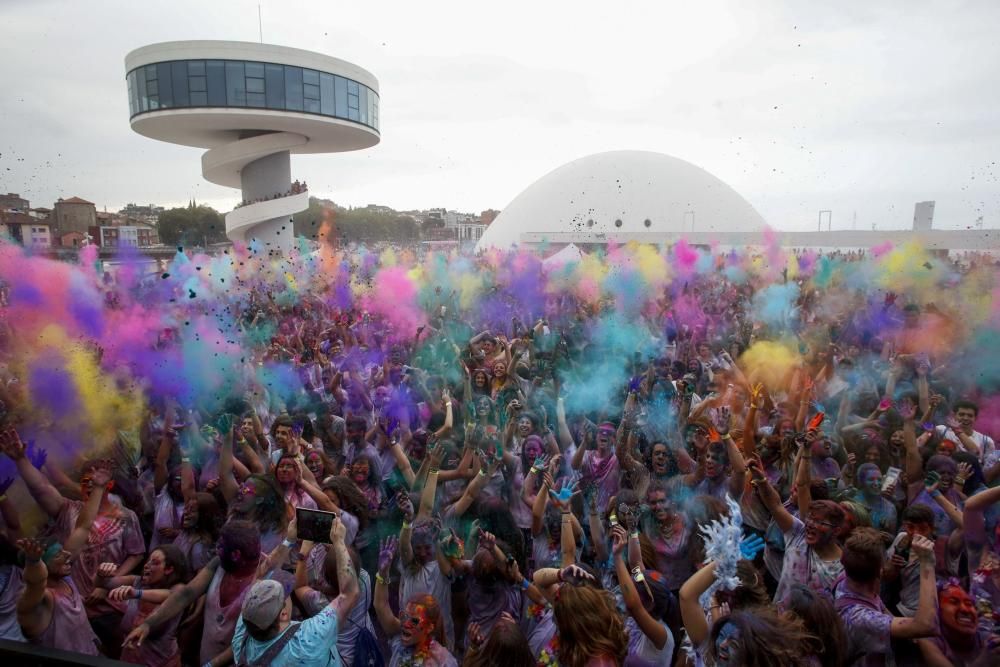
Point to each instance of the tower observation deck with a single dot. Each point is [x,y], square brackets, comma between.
[251,106]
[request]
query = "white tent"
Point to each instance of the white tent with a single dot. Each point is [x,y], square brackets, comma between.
[565,256]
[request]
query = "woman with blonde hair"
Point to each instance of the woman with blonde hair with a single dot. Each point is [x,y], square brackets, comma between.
[591,632]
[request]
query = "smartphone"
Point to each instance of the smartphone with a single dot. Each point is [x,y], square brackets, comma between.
[314,525]
[891,476]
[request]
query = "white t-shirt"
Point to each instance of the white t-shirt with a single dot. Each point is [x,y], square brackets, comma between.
[988,456]
[802,565]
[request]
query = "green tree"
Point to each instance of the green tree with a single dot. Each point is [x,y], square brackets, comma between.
[193,225]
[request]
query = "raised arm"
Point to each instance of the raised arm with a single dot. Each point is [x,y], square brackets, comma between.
[388,621]
[770,499]
[653,629]
[347,578]
[227,481]
[924,621]
[174,605]
[34,606]
[691,612]
[100,477]
[46,495]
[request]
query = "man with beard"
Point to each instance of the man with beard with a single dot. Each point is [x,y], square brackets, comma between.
[224,582]
[50,610]
[869,626]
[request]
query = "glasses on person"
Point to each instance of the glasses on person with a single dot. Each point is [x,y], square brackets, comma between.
[817,522]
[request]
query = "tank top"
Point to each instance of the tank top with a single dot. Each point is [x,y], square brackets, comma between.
[220,622]
[159,649]
[69,628]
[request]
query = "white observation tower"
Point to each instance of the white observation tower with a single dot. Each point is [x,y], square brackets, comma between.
[252,106]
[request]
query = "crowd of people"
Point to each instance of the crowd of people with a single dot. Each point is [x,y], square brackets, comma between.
[642,458]
[296,189]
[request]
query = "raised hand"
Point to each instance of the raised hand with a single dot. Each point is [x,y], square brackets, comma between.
[906,410]
[619,539]
[106,570]
[32,548]
[750,546]
[452,546]
[953,424]
[387,551]
[573,573]
[964,473]
[338,531]
[722,419]
[436,454]
[37,455]
[487,540]
[565,494]
[541,463]
[11,445]
[757,396]
[923,547]
[932,482]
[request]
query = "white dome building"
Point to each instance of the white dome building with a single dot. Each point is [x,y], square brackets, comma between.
[622,196]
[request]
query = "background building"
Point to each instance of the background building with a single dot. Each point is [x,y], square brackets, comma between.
[252,105]
[72,215]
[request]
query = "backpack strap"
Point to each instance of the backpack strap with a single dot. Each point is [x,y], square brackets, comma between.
[272,652]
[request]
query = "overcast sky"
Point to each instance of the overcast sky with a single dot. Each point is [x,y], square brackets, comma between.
[859,107]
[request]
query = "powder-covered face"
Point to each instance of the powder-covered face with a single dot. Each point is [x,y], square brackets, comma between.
[659,506]
[246,499]
[359,471]
[60,565]
[821,448]
[728,649]
[415,626]
[819,530]
[283,434]
[946,448]
[483,407]
[315,464]
[155,569]
[871,482]
[715,463]
[605,436]
[659,459]
[966,417]
[958,612]
[190,517]
[286,471]
[532,450]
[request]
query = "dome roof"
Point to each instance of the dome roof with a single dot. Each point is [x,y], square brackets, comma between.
[623,192]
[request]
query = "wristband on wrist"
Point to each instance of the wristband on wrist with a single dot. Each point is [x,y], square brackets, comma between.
[936,493]
[137,592]
[29,559]
[634,534]
[434,471]
[637,574]
[287,543]
[531,471]
[406,524]
[525,584]
[482,472]
[380,579]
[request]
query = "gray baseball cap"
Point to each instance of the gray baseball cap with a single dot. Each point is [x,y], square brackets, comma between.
[263,603]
